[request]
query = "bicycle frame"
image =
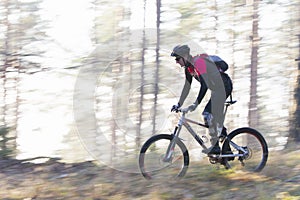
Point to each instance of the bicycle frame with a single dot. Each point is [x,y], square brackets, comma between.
[183,121]
[243,143]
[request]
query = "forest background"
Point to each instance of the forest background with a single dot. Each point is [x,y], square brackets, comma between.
[95,77]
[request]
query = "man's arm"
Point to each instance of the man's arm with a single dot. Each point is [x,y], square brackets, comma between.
[202,91]
[186,88]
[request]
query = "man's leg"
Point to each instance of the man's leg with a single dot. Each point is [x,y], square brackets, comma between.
[218,99]
[207,116]
[209,120]
[217,108]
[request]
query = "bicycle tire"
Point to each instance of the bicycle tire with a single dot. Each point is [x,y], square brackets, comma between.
[151,148]
[254,142]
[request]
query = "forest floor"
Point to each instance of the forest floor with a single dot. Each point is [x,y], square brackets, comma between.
[280,179]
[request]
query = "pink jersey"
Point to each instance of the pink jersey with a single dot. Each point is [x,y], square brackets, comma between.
[199,68]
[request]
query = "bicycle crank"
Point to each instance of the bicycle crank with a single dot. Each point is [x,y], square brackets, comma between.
[214,159]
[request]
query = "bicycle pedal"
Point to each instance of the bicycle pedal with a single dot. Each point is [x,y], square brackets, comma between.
[213,155]
[215,160]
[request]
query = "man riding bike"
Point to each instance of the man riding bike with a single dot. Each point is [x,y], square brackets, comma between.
[209,71]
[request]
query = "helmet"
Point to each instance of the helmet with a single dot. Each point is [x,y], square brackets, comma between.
[180,50]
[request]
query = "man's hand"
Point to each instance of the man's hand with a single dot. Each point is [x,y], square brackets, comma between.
[193,107]
[175,108]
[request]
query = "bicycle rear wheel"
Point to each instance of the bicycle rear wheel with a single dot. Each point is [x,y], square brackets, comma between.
[152,154]
[252,142]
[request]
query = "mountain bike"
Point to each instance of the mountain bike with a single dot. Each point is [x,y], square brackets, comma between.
[165,155]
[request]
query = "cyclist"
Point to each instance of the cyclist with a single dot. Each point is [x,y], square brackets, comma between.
[209,71]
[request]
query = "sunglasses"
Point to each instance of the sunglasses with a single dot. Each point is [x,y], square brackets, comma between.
[177,58]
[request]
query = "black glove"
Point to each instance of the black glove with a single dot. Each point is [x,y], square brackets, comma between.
[175,108]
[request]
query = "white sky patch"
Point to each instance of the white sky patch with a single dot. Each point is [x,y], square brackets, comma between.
[70,24]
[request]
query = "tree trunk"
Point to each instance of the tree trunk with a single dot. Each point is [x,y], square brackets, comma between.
[158,5]
[294,136]
[253,112]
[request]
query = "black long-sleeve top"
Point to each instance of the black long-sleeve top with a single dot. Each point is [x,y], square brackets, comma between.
[204,71]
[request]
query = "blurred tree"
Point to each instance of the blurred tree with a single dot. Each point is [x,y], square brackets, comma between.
[142,81]
[253,112]
[157,62]
[294,136]
[296,132]
[5,150]
[20,30]
[10,77]
[107,20]
[190,17]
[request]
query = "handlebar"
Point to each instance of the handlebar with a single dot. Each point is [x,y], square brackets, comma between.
[182,110]
[186,110]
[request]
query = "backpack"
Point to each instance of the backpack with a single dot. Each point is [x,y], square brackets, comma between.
[221,64]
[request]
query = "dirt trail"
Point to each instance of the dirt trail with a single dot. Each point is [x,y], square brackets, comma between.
[56,180]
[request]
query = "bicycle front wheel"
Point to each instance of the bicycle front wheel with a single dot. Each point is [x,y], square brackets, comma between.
[251,145]
[152,161]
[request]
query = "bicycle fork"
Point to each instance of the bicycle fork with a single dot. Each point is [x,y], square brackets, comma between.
[171,147]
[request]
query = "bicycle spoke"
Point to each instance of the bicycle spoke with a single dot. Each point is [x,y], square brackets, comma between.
[154,160]
[251,149]
[153,164]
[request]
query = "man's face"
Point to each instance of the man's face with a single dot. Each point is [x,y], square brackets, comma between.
[180,61]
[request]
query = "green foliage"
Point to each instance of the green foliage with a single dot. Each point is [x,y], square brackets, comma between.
[190,16]
[5,150]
